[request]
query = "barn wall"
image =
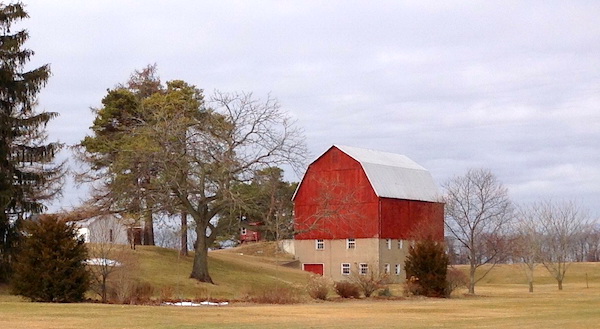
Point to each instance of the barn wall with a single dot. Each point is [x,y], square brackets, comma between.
[336,194]
[372,251]
[335,253]
[404,218]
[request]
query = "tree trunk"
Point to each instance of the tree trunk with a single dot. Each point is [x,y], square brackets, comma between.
[560,284]
[184,234]
[530,286]
[200,267]
[472,269]
[148,229]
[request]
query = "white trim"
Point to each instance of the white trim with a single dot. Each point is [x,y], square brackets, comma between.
[350,243]
[320,244]
[397,269]
[362,266]
[349,268]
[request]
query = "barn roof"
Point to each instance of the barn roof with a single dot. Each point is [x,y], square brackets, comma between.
[393,175]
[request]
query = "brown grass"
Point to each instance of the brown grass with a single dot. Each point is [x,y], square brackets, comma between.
[502,301]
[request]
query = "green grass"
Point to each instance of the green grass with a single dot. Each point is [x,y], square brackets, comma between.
[235,272]
[502,301]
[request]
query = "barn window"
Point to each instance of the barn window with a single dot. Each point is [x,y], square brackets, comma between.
[320,244]
[397,269]
[388,242]
[386,268]
[244,231]
[345,268]
[350,243]
[400,244]
[363,268]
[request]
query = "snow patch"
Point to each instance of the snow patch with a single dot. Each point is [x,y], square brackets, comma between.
[205,303]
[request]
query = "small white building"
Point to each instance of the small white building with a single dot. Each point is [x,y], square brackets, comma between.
[103,229]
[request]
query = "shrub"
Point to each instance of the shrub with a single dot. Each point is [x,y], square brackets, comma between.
[132,292]
[166,293]
[370,282]
[426,266]
[277,295]
[412,287]
[347,289]
[50,265]
[318,287]
[386,292]
[455,279]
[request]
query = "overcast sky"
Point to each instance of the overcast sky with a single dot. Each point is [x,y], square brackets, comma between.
[512,86]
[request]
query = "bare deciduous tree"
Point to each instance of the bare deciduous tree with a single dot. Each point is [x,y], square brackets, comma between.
[561,223]
[200,154]
[527,241]
[478,209]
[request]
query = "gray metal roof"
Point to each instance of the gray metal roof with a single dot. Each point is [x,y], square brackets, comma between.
[394,175]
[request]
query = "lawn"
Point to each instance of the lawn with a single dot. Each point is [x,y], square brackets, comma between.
[502,301]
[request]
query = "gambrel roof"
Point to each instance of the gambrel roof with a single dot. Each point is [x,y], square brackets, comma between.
[393,175]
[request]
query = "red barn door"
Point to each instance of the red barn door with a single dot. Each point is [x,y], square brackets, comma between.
[314,268]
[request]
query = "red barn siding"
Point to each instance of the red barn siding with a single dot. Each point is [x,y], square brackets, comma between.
[336,182]
[404,218]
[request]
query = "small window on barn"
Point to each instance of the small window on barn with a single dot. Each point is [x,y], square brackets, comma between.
[363,268]
[244,231]
[386,268]
[350,243]
[388,242]
[345,268]
[320,244]
[397,269]
[400,244]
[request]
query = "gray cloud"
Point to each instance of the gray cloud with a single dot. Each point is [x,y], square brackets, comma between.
[508,85]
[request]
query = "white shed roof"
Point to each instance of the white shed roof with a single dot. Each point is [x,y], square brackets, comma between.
[394,175]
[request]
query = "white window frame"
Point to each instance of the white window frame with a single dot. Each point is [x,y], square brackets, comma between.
[386,268]
[244,231]
[346,268]
[400,243]
[320,244]
[388,243]
[350,243]
[397,269]
[363,268]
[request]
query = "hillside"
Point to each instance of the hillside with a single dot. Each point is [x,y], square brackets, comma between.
[235,271]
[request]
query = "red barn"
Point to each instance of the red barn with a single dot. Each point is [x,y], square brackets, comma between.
[356,210]
[249,235]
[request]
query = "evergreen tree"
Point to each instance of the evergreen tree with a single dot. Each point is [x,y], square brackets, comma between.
[50,265]
[28,176]
[124,183]
[427,266]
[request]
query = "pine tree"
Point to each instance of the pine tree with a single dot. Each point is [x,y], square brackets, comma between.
[50,265]
[124,182]
[427,266]
[28,176]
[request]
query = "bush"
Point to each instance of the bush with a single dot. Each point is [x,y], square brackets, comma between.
[318,287]
[277,295]
[386,292]
[427,266]
[50,265]
[455,279]
[370,282]
[412,287]
[131,292]
[347,289]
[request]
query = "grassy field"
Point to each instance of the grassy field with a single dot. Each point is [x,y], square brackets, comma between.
[502,301]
